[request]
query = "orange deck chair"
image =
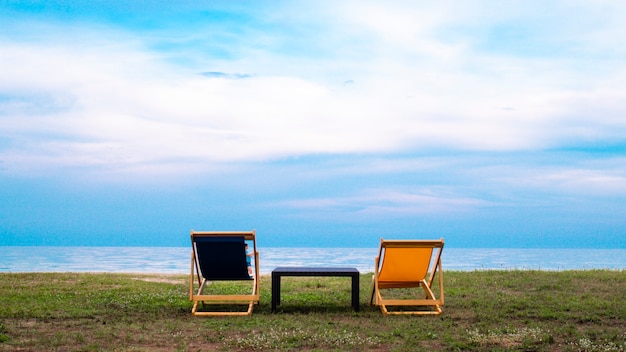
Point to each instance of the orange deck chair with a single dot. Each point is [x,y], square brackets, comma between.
[221,256]
[408,264]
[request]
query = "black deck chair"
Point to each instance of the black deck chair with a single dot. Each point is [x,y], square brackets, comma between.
[221,256]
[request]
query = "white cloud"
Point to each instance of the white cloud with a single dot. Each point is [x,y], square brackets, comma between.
[384,203]
[114,103]
[575,178]
[603,183]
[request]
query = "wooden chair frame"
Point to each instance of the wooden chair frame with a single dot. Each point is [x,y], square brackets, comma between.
[434,268]
[196,275]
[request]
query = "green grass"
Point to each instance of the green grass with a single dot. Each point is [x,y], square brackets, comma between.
[484,311]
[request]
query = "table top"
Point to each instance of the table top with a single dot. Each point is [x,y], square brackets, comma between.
[313,270]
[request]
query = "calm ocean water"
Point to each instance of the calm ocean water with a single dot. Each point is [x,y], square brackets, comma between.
[177,259]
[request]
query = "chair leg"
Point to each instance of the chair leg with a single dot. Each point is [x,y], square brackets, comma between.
[373,290]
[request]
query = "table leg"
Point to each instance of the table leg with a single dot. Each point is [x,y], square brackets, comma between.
[275,291]
[355,292]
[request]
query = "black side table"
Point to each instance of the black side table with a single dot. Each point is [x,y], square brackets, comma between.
[314,271]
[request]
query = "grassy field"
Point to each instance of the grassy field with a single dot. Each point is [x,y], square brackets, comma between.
[484,311]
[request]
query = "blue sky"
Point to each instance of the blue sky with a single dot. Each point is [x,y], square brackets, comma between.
[317,123]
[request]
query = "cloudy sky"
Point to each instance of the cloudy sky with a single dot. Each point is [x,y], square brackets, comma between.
[317,123]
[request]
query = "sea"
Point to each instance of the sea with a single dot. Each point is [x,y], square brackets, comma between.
[177,260]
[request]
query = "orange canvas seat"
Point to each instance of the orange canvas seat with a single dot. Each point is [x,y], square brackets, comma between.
[221,256]
[407,264]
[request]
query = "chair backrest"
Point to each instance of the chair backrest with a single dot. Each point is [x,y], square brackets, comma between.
[221,257]
[407,261]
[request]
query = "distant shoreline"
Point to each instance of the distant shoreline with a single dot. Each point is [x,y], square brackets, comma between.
[176,260]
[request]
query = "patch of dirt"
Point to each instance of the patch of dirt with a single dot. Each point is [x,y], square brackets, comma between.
[164,279]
